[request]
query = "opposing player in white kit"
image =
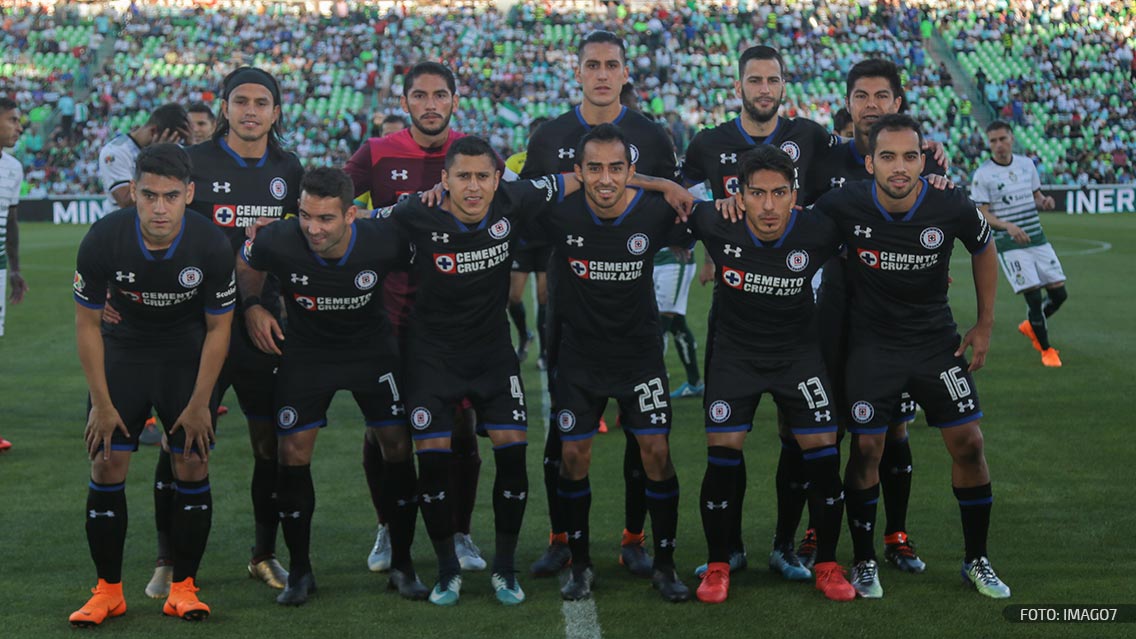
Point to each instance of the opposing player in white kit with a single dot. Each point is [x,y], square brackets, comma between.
[1007,190]
[11,176]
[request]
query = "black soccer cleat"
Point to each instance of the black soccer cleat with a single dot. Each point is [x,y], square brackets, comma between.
[554,559]
[407,584]
[298,590]
[900,552]
[579,584]
[668,584]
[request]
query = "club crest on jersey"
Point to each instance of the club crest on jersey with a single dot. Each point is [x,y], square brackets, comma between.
[224,215]
[719,411]
[499,229]
[190,277]
[445,263]
[863,412]
[731,183]
[366,280]
[637,244]
[579,267]
[278,188]
[420,418]
[870,258]
[792,150]
[733,278]
[565,420]
[634,154]
[305,302]
[286,417]
[797,261]
[931,238]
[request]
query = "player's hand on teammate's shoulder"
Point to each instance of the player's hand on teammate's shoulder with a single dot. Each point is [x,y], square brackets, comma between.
[728,207]
[263,329]
[197,422]
[938,151]
[101,424]
[940,182]
[680,199]
[261,222]
[434,196]
[978,339]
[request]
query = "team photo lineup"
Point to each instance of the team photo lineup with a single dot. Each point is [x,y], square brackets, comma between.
[245,258]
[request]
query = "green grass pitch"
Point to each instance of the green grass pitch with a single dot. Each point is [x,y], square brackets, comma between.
[1058,444]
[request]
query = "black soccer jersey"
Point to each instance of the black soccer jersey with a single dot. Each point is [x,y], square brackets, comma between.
[842,165]
[334,307]
[713,154]
[234,191]
[898,262]
[764,300]
[463,270]
[161,295]
[603,270]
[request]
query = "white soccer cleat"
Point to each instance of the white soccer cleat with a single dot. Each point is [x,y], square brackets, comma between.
[380,558]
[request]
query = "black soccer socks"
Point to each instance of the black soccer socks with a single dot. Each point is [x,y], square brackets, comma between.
[718,502]
[551,466]
[662,501]
[164,504]
[436,505]
[861,506]
[296,497]
[192,519]
[895,483]
[266,513]
[373,470]
[465,469]
[576,502]
[634,485]
[106,528]
[791,496]
[974,506]
[826,493]
[510,496]
[399,501]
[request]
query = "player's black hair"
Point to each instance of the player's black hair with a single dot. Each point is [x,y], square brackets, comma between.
[893,122]
[172,116]
[766,157]
[394,117]
[605,132]
[472,146]
[165,160]
[627,95]
[877,68]
[999,124]
[760,52]
[7,104]
[429,68]
[602,37]
[325,182]
[252,75]
[842,119]
[535,124]
[201,107]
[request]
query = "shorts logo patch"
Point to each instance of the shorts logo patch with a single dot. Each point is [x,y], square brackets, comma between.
[579,267]
[931,238]
[286,417]
[719,411]
[638,244]
[499,229]
[870,258]
[792,150]
[445,262]
[224,215]
[863,412]
[565,420]
[797,261]
[278,188]
[366,280]
[190,277]
[420,418]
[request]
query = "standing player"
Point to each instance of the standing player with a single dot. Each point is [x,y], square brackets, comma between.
[170,275]
[384,170]
[11,177]
[1007,190]
[168,123]
[241,176]
[604,242]
[900,234]
[602,72]
[529,256]
[873,90]
[765,267]
[202,122]
[337,338]
[391,123]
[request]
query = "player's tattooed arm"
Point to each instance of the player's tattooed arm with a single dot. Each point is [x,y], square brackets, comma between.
[261,325]
[196,419]
[984,266]
[103,419]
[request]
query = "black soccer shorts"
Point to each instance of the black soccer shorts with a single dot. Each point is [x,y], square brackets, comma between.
[531,259]
[304,390]
[583,387]
[799,387]
[934,378]
[252,375]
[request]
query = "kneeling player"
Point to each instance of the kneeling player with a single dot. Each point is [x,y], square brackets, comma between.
[765,263]
[330,268]
[170,276]
[900,234]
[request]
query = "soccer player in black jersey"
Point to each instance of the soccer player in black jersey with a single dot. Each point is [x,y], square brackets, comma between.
[604,241]
[602,72]
[900,234]
[170,275]
[330,269]
[765,265]
[241,176]
[873,90]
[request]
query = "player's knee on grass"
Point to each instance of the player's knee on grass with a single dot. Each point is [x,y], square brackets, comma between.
[656,455]
[394,441]
[575,459]
[113,470]
[296,449]
[262,436]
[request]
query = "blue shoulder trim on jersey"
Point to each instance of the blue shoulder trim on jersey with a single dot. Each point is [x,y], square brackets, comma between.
[781,240]
[191,491]
[588,127]
[914,207]
[984,246]
[221,311]
[419,436]
[350,245]
[748,138]
[463,227]
[236,156]
[110,488]
[510,445]
[618,220]
[654,495]
[383,423]
[146,253]
[281,432]
[85,303]
[981,501]
[958,422]
[855,152]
